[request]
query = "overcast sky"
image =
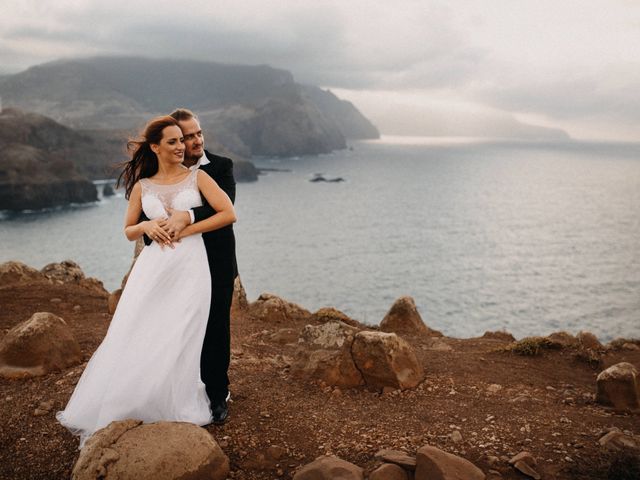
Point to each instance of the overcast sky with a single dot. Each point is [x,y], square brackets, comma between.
[413,67]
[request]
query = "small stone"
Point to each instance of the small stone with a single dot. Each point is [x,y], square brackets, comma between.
[77,308]
[494,388]
[525,463]
[56,300]
[456,436]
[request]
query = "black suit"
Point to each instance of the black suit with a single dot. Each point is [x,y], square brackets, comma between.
[221,253]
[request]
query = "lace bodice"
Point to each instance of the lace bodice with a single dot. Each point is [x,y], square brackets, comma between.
[179,196]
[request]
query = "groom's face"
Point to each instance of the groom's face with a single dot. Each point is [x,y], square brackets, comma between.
[193,138]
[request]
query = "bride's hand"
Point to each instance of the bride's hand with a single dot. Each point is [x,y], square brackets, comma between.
[155,230]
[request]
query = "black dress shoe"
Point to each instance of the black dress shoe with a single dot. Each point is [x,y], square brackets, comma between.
[219,412]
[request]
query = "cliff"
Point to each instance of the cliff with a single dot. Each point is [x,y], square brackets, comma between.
[36,163]
[45,164]
[253,110]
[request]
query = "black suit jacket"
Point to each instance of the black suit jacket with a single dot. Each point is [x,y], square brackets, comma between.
[220,244]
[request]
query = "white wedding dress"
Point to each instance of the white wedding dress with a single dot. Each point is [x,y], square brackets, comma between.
[148,365]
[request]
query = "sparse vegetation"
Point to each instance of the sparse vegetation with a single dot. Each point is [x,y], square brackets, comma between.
[532,346]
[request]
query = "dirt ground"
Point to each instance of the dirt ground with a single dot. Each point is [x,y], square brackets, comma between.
[543,404]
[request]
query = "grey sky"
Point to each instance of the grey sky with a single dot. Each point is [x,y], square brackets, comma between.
[408,65]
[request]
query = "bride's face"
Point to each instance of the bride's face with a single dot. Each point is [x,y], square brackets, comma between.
[171,146]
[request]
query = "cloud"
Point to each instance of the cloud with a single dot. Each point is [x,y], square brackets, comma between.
[572,64]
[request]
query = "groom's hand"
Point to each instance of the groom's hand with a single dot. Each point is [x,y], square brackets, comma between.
[177,221]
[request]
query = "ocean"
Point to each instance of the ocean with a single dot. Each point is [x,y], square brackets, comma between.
[530,238]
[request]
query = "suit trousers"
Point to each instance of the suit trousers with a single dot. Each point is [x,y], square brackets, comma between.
[216,348]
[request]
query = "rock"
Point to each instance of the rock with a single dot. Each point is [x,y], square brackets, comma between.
[386,360]
[37,346]
[618,387]
[616,440]
[434,464]
[274,309]
[94,285]
[330,314]
[388,471]
[44,408]
[285,336]
[563,339]
[329,468]
[107,190]
[590,341]
[17,273]
[525,463]
[156,451]
[69,271]
[239,303]
[456,436]
[494,388]
[398,457]
[66,271]
[403,318]
[113,300]
[499,335]
[492,460]
[324,353]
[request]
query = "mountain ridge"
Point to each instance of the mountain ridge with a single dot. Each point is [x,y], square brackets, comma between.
[279,116]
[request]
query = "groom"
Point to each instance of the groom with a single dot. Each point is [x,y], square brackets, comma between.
[220,245]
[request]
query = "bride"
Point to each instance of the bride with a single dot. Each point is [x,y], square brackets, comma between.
[148,365]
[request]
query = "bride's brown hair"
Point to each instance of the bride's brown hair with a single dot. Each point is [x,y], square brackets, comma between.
[144,162]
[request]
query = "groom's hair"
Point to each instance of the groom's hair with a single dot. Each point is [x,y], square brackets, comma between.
[181,114]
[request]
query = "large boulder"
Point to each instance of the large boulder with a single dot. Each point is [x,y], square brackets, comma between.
[617,440]
[37,346]
[69,271]
[324,353]
[274,309]
[329,468]
[435,464]
[17,273]
[386,360]
[66,271]
[157,451]
[618,387]
[403,318]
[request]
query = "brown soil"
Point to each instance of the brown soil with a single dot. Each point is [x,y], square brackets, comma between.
[546,403]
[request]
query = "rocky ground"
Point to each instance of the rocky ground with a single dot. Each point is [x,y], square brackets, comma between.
[498,401]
